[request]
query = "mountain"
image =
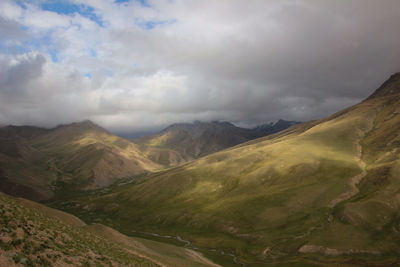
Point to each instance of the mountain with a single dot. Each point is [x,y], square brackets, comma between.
[322,193]
[90,155]
[274,127]
[35,235]
[36,162]
[183,142]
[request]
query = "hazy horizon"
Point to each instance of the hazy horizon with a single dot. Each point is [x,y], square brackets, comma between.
[132,134]
[139,66]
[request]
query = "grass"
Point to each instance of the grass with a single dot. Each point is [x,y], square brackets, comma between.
[273,195]
[33,238]
[36,235]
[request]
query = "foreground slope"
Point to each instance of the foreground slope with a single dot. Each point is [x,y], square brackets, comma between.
[324,192]
[35,162]
[35,235]
[35,238]
[183,142]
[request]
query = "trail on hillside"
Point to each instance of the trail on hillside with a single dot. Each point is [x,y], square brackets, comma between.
[355,180]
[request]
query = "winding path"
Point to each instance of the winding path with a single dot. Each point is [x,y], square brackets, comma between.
[356,179]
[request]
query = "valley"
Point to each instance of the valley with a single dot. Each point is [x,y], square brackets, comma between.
[320,193]
[144,133]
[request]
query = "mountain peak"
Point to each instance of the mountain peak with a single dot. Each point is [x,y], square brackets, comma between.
[88,123]
[85,125]
[390,87]
[275,126]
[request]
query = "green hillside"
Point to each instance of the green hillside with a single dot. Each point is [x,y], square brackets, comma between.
[183,142]
[321,193]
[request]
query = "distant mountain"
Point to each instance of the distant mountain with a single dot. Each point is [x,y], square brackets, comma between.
[183,142]
[135,135]
[322,193]
[274,127]
[35,162]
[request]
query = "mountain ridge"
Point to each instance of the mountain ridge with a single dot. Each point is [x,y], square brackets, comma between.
[183,142]
[389,87]
[38,162]
[79,155]
[322,192]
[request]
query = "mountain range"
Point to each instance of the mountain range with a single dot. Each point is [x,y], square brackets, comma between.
[38,163]
[320,193]
[324,192]
[183,142]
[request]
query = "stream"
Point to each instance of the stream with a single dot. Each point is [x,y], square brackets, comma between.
[188,244]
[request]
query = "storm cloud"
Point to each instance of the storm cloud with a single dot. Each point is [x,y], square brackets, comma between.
[141,65]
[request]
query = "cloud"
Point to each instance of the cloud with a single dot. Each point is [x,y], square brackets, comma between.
[149,64]
[10,31]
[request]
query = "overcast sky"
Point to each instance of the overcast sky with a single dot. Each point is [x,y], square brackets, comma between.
[141,65]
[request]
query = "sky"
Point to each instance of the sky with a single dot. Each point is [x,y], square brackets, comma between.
[135,66]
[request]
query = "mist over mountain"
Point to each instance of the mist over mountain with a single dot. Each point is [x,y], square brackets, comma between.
[319,192]
[134,66]
[274,127]
[199,133]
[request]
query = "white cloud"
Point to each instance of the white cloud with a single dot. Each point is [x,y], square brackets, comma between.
[247,62]
[9,10]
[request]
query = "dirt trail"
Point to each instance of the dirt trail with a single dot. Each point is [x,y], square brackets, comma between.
[355,180]
[201,258]
[309,231]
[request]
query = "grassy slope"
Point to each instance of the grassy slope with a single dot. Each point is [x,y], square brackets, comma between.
[165,254]
[180,143]
[35,163]
[19,173]
[32,238]
[267,199]
[35,235]
[90,153]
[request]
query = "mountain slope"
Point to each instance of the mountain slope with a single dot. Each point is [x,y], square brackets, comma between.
[184,142]
[19,173]
[35,235]
[35,162]
[91,155]
[324,192]
[32,238]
